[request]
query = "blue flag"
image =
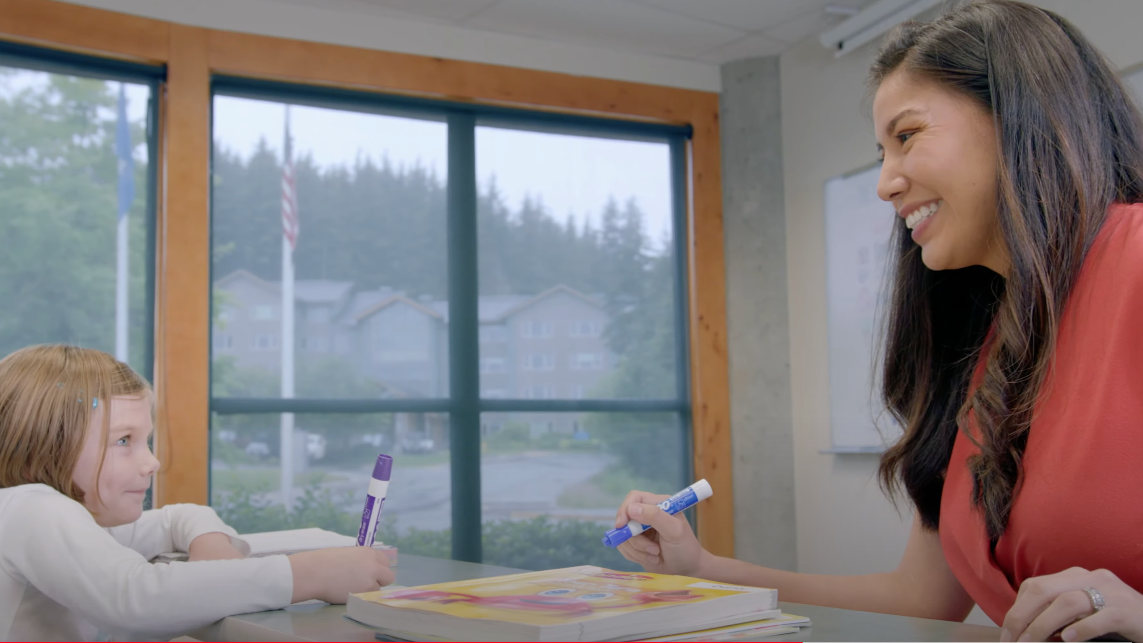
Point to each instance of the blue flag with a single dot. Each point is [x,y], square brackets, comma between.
[126,161]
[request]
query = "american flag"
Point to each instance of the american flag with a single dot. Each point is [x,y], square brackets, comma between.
[289,192]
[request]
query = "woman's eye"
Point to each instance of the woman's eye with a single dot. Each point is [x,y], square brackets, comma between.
[905,136]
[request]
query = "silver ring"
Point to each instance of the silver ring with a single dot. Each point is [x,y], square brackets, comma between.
[1095,597]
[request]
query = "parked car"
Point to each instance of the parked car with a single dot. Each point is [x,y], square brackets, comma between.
[315,446]
[257,449]
[416,444]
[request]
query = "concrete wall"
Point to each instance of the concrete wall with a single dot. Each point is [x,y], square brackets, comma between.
[757,320]
[844,523]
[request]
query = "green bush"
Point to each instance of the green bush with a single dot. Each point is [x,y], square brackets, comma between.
[512,436]
[316,508]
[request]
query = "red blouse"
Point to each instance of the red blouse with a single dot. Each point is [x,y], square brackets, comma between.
[1081,503]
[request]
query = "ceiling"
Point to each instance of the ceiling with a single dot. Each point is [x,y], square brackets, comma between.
[703,31]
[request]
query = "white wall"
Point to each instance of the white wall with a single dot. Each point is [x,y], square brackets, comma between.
[284,19]
[844,523]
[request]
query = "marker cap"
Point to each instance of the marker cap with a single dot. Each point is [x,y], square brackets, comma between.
[617,536]
[702,489]
[383,468]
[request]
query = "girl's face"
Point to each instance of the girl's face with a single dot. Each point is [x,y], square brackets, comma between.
[940,168]
[127,466]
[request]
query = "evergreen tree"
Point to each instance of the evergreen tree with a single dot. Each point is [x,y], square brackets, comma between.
[58,213]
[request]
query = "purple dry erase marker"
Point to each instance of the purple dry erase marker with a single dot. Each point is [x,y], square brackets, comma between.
[374,499]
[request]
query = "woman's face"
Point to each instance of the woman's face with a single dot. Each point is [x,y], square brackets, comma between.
[940,164]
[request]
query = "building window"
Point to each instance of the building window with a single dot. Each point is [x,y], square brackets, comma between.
[265,342]
[536,329]
[493,365]
[538,392]
[585,361]
[493,334]
[223,342]
[580,328]
[538,362]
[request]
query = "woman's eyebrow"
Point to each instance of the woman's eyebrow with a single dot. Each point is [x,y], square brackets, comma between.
[896,119]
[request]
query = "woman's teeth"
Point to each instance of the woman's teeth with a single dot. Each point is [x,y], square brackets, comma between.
[922,213]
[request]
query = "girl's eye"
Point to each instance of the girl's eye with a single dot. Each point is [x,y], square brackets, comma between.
[123,442]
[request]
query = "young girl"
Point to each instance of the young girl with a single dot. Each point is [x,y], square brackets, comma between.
[75,541]
[1014,158]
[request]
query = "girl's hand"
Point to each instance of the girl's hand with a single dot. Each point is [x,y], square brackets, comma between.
[1047,604]
[331,575]
[671,548]
[212,546]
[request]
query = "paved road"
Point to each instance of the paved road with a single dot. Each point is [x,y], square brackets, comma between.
[513,486]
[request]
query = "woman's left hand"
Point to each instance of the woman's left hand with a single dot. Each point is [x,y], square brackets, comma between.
[1048,604]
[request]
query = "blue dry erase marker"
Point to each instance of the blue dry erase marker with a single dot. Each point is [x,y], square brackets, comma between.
[684,499]
[374,499]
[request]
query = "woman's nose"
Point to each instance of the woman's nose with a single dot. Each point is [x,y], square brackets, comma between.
[891,184]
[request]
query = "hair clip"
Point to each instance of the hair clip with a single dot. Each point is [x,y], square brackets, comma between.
[95,402]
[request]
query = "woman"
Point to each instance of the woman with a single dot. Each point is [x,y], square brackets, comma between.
[1014,352]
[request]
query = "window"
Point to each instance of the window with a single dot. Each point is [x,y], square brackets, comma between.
[492,365]
[537,392]
[585,361]
[535,329]
[538,362]
[493,334]
[585,328]
[223,342]
[77,202]
[444,241]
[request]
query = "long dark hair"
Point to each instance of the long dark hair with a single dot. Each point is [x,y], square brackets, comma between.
[1069,136]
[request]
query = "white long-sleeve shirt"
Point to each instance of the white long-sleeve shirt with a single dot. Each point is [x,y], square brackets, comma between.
[63,577]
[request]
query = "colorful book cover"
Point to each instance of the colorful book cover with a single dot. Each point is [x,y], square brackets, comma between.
[560,596]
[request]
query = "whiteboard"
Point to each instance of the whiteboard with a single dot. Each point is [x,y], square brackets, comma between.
[858,229]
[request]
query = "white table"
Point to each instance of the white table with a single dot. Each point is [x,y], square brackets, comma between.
[321,622]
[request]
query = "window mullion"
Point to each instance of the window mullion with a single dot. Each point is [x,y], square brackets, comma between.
[680,206]
[464,353]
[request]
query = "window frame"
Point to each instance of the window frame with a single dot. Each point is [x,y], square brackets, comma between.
[464,404]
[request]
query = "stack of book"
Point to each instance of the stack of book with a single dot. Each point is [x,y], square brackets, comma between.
[575,604]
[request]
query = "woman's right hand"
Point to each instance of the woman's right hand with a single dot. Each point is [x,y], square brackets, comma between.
[671,548]
[331,575]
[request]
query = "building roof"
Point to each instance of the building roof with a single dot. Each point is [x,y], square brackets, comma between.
[310,291]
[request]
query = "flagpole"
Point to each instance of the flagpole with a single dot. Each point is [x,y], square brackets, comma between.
[126,194]
[289,203]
